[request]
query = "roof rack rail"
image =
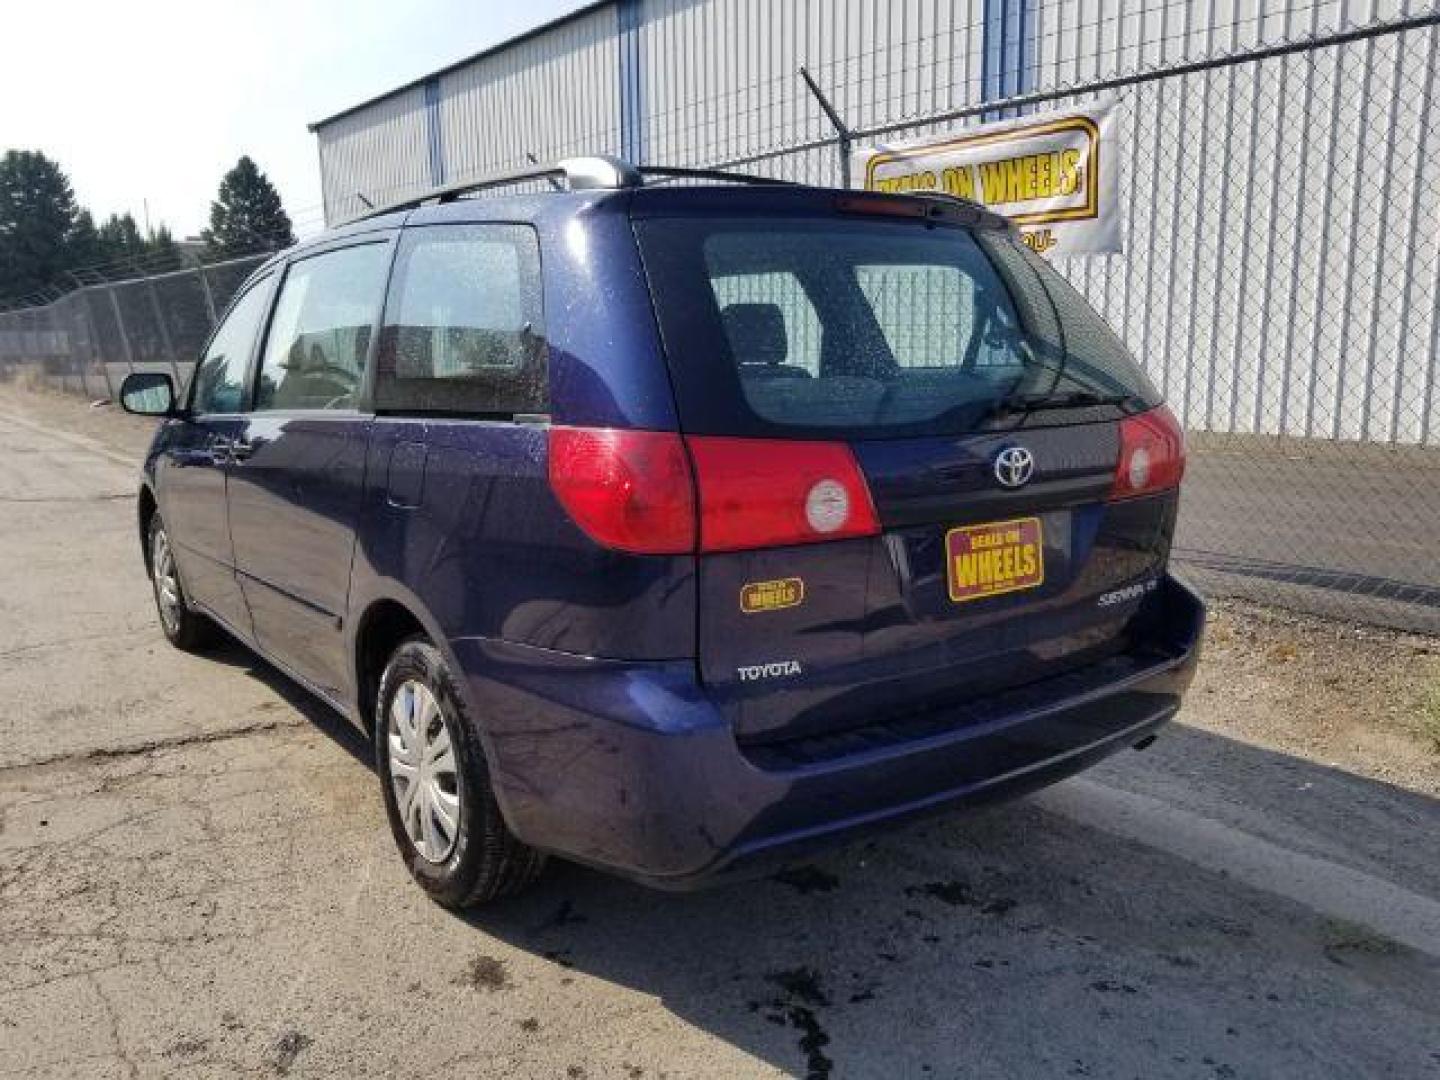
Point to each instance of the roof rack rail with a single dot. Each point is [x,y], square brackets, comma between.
[676,172]
[600,171]
[579,173]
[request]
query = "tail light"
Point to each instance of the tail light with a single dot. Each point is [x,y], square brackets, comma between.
[1152,454]
[629,490]
[772,492]
[635,490]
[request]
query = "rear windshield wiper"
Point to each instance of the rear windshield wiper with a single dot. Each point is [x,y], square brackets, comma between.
[1025,404]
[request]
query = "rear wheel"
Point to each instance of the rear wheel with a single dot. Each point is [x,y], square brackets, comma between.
[183,628]
[436,783]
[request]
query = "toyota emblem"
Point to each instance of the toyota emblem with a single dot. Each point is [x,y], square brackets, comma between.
[1014,466]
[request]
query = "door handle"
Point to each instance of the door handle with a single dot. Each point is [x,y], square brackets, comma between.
[240,449]
[184,459]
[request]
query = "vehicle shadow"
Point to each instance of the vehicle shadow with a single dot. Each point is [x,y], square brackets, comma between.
[1020,941]
[346,735]
[1027,938]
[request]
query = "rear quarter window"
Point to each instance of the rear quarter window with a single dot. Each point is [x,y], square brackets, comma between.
[464,329]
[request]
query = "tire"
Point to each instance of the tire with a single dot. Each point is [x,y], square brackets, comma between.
[183,628]
[443,814]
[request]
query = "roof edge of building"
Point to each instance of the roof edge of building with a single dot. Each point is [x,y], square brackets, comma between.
[544,28]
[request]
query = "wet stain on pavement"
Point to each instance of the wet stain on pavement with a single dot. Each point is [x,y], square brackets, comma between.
[803,995]
[807,879]
[288,1047]
[485,973]
[801,983]
[960,894]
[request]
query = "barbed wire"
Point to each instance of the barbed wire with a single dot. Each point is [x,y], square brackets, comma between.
[305,220]
[128,268]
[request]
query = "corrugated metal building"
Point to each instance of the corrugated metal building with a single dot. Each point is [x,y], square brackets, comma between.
[1280,272]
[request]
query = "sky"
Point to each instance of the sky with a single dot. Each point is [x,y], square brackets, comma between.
[152,101]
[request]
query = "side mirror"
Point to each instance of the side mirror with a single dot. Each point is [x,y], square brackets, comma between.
[148,393]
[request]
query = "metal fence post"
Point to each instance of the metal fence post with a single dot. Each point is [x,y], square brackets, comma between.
[120,325]
[843,138]
[96,356]
[86,298]
[209,296]
[164,330]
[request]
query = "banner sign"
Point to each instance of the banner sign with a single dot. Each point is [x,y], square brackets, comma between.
[1055,175]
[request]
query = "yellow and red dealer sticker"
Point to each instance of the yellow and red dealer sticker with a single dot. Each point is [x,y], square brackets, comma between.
[988,560]
[771,595]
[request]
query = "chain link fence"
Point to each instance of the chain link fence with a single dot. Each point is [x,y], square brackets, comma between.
[1280,283]
[86,342]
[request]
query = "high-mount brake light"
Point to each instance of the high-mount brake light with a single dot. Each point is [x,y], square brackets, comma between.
[883,206]
[774,492]
[1152,454]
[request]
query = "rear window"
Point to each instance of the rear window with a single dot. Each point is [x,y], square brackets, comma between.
[849,328]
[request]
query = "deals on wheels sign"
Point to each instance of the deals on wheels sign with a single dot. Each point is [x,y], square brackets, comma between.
[1055,175]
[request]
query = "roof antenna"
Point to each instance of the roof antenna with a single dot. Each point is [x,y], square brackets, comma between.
[536,161]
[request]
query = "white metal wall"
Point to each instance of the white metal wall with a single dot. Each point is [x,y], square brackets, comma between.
[552,96]
[721,76]
[379,152]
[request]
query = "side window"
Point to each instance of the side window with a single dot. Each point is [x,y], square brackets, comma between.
[220,375]
[464,327]
[320,332]
[769,321]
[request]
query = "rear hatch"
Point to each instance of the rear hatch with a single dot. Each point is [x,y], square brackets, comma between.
[926,471]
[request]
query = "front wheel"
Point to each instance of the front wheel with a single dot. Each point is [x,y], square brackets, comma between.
[183,628]
[436,783]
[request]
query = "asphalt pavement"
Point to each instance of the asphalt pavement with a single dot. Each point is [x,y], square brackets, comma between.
[196,879]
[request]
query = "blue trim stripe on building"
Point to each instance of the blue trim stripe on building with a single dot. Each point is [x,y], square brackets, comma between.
[432,131]
[632,99]
[1007,52]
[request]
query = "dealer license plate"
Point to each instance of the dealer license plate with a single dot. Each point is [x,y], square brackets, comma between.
[995,558]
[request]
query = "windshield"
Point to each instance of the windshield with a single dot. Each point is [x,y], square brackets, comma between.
[833,327]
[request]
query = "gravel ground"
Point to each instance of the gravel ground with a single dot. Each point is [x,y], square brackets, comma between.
[1354,697]
[196,877]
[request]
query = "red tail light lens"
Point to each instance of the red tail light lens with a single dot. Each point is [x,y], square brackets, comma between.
[629,490]
[771,492]
[1152,454]
[633,490]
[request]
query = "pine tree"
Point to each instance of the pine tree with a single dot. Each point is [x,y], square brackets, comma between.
[120,238]
[247,216]
[117,250]
[83,244]
[37,217]
[162,253]
[122,247]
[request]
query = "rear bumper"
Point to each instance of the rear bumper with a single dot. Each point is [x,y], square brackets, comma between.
[629,767]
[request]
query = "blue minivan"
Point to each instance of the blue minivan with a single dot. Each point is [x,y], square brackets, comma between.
[675,522]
